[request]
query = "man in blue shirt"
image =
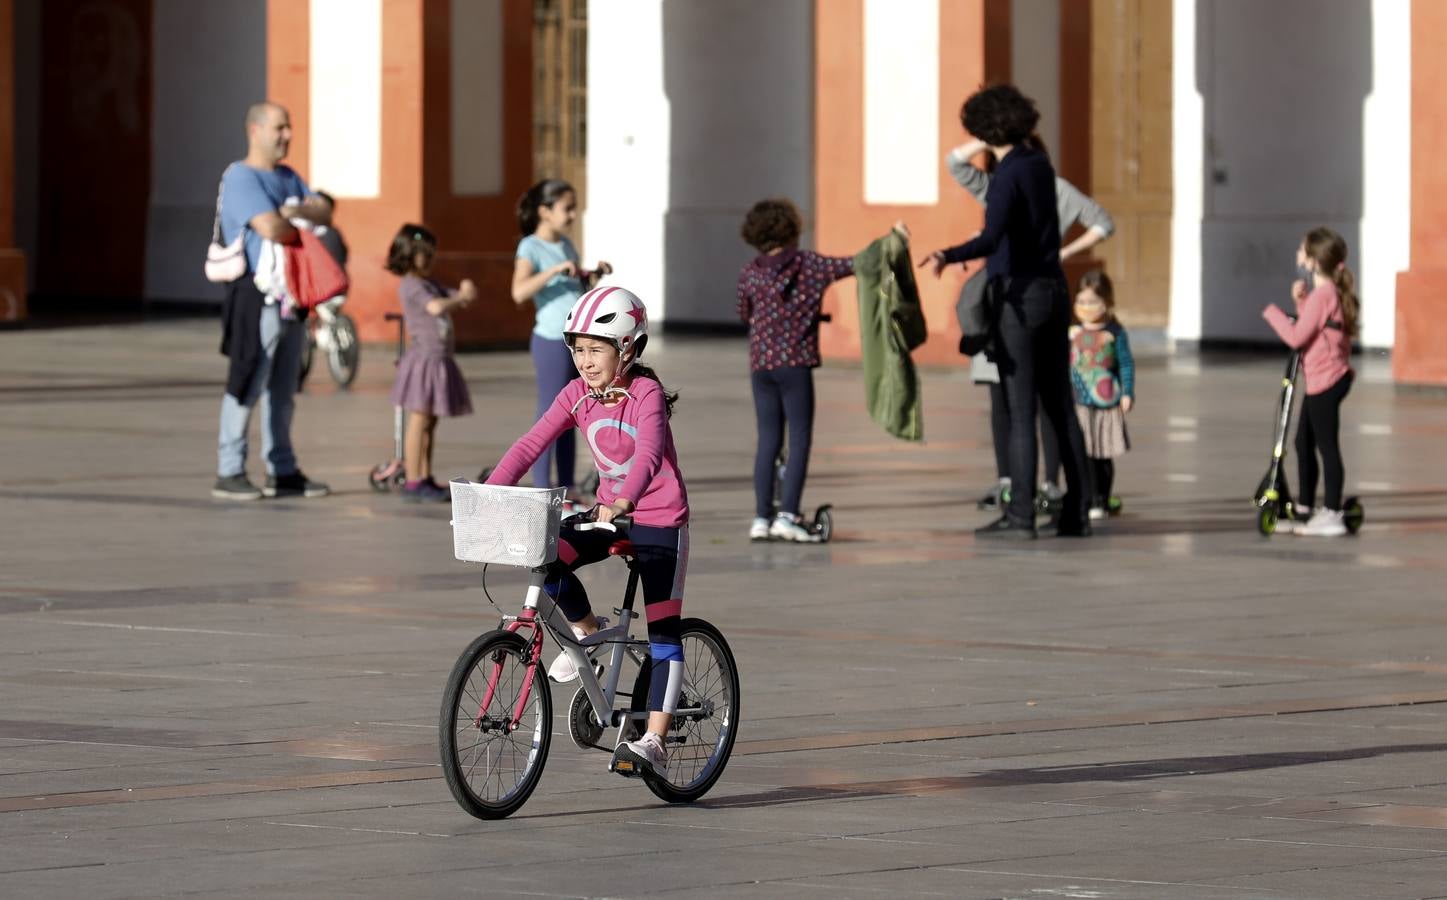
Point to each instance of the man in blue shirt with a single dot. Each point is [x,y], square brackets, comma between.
[259,197]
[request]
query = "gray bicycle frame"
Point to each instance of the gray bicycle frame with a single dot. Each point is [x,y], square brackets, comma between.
[600,695]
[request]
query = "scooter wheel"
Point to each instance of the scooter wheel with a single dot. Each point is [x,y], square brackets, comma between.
[379,480]
[1266,520]
[824,523]
[1113,505]
[1353,514]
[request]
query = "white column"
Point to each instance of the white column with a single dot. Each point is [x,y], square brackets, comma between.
[345,134]
[901,101]
[628,145]
[1188,129]
[1386,172]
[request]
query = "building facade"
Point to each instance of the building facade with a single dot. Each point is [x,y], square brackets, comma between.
[1215,131]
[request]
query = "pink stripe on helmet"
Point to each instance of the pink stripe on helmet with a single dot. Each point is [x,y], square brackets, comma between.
[593,310]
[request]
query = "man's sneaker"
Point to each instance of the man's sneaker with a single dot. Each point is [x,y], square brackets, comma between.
[784,528]
[426,492]
[1051,492]
[759,530]
[1296,521]
[563,669]
[1324,523]
[235,487]
[1097,513]
[294,485]
[645,756]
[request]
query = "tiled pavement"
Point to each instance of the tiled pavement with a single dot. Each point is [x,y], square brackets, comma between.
[199,697]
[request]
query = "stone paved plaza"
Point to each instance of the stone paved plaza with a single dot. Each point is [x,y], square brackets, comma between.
[241,699]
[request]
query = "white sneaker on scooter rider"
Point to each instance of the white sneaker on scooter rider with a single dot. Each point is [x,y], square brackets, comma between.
[786,528]
[1324,523]
[1297,521]
[759,530]
[563,669]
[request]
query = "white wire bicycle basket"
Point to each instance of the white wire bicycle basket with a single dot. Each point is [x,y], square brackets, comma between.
[509,526]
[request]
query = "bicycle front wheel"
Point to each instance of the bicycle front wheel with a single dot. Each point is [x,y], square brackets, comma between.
[345,352]
[707,721]
[496,725]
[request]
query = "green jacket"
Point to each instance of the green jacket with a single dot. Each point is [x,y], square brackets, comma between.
[891,324]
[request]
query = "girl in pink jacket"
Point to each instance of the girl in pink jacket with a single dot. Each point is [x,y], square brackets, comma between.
[1327,310]
[622,410]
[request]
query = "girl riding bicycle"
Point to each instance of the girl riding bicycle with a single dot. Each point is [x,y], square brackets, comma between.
[622,409]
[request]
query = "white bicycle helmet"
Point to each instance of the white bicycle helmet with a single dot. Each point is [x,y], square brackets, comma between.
[612,314]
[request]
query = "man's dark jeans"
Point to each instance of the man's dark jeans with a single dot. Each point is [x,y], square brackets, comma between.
[1033,353]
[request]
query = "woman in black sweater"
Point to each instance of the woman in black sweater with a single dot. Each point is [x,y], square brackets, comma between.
[1021,239]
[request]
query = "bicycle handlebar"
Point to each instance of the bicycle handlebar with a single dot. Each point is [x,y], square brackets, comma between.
[588,521]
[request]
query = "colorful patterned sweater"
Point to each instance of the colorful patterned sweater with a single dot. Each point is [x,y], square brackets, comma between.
[1102,368]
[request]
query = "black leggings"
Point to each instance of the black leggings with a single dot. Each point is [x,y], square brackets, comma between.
[1000,432]
[1102,474]
[662,555]
[1320,422]
[782,397]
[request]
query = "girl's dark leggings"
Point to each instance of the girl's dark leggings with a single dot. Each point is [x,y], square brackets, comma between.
[662,555]
[1102,472]
[782,397]
[1317,432]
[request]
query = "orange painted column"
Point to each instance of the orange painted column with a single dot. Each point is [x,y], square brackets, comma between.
[12,261]
[974,50]
[476,233]
[1419,355]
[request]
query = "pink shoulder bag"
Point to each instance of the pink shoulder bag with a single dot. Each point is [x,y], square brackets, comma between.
[225,262]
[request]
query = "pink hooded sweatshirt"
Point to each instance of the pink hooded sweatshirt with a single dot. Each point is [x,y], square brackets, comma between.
[632,447]
[1325,350]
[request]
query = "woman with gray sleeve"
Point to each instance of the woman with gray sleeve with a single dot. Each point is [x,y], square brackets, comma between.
[1073,206]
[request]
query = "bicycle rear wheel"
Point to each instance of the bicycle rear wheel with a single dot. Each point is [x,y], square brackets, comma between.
[707,721]
[493,761]
[345,352]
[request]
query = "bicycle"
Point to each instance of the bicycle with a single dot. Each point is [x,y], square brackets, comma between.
[495,724]
[334,333]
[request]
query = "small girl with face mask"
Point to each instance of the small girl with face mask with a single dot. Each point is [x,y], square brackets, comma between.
[623,410]
[1102,370]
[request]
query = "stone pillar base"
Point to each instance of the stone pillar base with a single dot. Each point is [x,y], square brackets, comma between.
[12,286]
[1419,355]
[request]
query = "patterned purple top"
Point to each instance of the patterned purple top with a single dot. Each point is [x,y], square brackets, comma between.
[779,299]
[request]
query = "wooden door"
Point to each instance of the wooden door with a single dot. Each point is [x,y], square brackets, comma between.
[560,96]
[95,149]
[1130,153]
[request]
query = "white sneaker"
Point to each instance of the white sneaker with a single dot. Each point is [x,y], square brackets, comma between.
[1324,523]
[759,530]
[645,756]
[1298,521]
[1097,513]
[784,528]
[563,669]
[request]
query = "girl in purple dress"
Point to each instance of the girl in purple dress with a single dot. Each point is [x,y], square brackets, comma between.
[428,384]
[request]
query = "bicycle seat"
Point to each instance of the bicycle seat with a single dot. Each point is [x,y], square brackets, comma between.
[621,547]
